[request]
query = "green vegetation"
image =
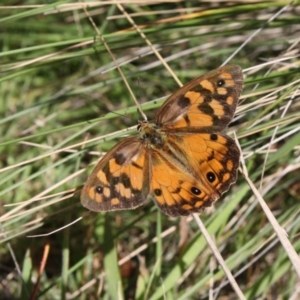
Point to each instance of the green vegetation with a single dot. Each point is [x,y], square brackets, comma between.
[63,103]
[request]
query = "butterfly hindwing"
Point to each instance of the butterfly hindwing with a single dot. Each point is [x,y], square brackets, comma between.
[174,189]
[192,171]
[120,180]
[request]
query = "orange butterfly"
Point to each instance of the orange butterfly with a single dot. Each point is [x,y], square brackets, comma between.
[183,161]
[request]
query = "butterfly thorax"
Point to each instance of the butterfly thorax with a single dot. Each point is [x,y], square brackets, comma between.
[151,134]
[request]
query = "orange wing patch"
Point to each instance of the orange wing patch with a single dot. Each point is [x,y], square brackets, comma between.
[119,181]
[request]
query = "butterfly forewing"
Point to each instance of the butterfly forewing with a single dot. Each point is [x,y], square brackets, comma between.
[204,104]
[120,180]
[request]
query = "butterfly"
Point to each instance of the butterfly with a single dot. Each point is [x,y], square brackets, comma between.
[183,161]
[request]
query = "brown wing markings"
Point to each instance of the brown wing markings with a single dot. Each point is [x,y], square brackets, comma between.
[223,160]
[209,155]
[174,189]
[212,98]
[113,185]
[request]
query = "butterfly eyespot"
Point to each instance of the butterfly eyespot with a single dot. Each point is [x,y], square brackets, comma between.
[221,82]
[211,176]
[213,137]
[157,192]
[195,191]
[99,189]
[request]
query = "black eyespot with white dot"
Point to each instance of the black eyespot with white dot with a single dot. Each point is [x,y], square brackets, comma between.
[221,82]
[195,191]
[211,177]
[157,192]
[99,189]
[213,137]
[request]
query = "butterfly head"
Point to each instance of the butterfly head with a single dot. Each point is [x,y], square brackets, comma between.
[150,134]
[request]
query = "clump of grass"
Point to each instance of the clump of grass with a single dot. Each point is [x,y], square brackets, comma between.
[64,103]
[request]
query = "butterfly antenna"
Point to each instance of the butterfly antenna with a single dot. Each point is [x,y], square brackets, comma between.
[120,115]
